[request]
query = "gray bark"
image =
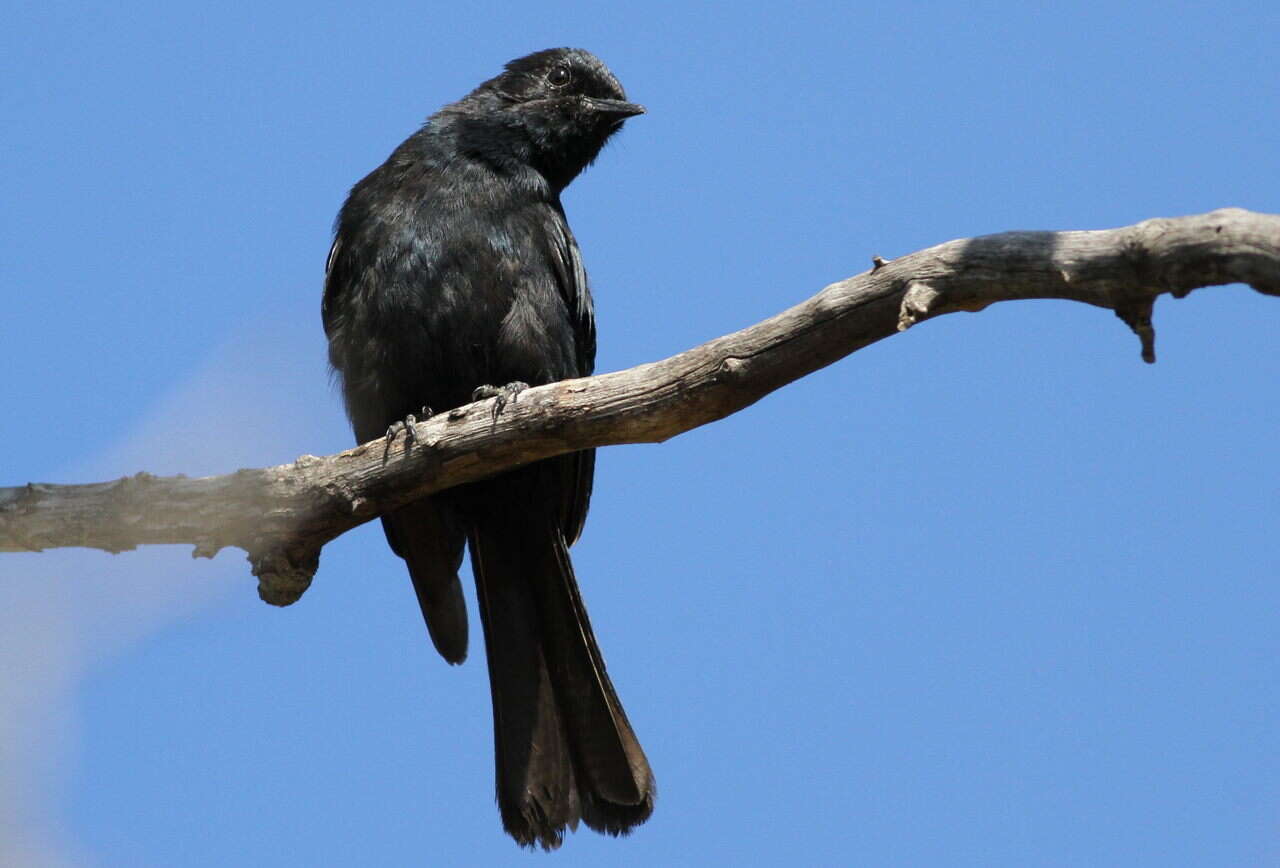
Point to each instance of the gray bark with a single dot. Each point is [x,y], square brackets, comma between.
[282,516]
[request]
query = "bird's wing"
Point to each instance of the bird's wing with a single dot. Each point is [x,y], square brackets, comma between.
[328,304]
[571,280]
[571,277]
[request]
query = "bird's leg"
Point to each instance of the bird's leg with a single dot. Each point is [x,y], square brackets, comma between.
[508,393]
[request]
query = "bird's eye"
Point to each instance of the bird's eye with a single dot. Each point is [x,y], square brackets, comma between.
[559,76]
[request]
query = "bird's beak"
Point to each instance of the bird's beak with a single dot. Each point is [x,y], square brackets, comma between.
[615,108]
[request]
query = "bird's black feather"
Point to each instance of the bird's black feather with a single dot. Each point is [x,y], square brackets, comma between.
[453,267]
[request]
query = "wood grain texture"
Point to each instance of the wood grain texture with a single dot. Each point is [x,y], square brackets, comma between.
[282,516]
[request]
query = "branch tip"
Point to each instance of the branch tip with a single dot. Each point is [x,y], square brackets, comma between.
[1137,316]
[283,577]
[205,549]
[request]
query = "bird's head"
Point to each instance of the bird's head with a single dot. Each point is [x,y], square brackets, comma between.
[558,107]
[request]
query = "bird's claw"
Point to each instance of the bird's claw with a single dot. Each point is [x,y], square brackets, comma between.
[410,435]
[502,395]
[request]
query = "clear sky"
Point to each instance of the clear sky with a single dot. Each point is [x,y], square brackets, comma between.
[992,592]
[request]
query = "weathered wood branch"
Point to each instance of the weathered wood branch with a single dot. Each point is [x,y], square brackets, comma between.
[282,516]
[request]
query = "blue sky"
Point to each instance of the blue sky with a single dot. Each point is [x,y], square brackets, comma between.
[991,592]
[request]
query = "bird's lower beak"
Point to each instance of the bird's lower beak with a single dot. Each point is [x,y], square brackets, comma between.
[615,108]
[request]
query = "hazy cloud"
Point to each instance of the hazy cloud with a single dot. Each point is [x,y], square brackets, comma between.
[64,611]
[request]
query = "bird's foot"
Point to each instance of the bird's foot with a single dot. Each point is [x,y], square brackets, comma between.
[510,393]
[410,436]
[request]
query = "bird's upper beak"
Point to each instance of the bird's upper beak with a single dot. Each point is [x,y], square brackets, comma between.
[615,108]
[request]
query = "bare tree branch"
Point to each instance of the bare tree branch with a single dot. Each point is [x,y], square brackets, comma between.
[282,516]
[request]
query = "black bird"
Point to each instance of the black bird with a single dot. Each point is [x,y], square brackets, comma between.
[452,273]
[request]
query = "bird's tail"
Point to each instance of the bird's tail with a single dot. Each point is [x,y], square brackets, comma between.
[564,748]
